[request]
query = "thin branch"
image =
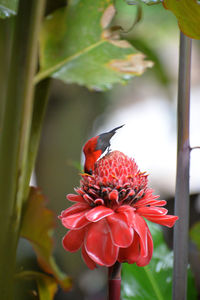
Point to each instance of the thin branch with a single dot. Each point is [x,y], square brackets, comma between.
[195,147]
[182,176]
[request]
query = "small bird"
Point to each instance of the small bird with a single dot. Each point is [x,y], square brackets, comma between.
[95,147]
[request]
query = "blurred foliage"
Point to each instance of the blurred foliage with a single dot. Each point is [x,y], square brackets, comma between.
[188,14]
[52,5]
[155,280]
[149,2]
[159,70]
[195,234]
[8,8]
[37,227]
[149,37]
[157,23]
[47,286]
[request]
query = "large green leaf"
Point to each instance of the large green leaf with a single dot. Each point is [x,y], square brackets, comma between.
[8,8]
[188,14]
[37,227]
[155,280]
[76,45]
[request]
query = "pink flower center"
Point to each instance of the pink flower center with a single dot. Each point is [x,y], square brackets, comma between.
[116,181]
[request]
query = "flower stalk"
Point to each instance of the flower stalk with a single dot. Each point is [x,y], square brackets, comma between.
[114,282]
[182,176]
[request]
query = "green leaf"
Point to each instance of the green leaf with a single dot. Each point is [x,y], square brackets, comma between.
[77,46]
[37,227]
[155,280]
[8,8]
[188,14]
[47,285]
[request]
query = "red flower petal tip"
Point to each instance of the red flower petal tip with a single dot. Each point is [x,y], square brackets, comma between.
[107,220]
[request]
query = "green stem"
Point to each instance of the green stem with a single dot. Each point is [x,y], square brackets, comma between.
[14,139]
[39,109]
[5,47]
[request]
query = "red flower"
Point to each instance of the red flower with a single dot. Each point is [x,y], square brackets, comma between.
[107,220]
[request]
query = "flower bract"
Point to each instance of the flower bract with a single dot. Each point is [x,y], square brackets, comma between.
[107,219]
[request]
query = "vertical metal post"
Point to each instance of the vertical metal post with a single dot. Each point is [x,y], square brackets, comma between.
[182,176]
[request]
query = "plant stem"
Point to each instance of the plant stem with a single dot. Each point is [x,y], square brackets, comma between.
[5,47]
[182,176]
[14,139]
[114,282]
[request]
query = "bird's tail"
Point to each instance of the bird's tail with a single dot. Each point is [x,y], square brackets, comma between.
[115,129]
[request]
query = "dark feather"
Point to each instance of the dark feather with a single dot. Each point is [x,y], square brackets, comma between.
[103,141]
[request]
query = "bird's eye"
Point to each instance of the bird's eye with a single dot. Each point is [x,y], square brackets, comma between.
[90,172]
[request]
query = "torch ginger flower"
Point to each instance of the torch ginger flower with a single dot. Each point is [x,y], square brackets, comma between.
[107,220]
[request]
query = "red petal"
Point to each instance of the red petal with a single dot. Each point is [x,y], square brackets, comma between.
[128,212]
[152,202]
[151,211]
[121,233]
[93,192]
[166,220]
[130,193]
[113,196]
[143,261]
[89,262]
[141,228]
[73,240]
[132,253]
[99,245]
[88,199]
[79,191]
[97,213]
[99,201]
[76,208]
[75,221]
[75,198]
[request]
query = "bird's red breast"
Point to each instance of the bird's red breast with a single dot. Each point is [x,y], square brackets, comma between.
[91,154]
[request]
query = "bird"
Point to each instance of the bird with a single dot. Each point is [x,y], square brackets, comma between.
[95,147]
